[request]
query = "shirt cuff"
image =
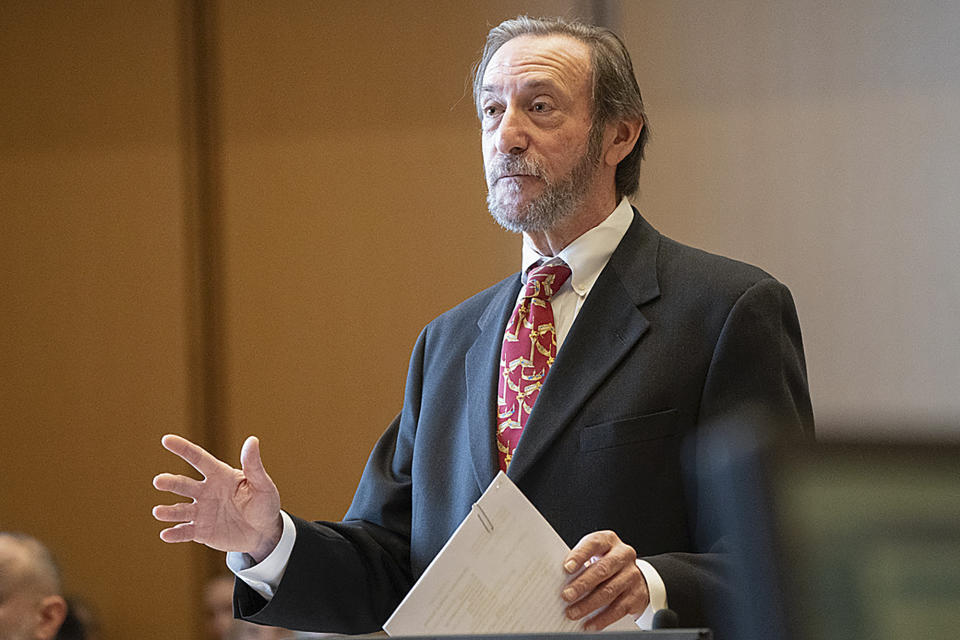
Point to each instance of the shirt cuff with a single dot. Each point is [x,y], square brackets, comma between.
[658,594]
[264,577]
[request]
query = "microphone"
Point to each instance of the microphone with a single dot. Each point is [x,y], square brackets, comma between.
[665,619]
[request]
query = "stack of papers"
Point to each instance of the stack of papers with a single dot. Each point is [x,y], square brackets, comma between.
[501,572]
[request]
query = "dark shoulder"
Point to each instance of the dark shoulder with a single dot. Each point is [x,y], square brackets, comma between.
[656,265]
[695,268]
[698,286]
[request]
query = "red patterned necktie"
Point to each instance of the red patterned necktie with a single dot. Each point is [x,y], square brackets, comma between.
[529,348]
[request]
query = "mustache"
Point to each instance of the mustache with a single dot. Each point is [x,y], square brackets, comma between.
[513,166]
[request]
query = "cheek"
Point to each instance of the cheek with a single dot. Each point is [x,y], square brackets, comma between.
[566,152]
[486,149]
[13,618]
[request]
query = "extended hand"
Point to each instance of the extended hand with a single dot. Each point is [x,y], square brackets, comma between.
[232,509]
[611,580]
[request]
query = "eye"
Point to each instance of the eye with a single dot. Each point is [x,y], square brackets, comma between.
[491,110]
[541,107]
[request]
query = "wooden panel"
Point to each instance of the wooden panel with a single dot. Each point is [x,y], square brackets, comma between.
[349,158]
[92,323]
[354,212]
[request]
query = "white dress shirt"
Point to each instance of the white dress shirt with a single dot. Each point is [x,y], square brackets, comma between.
[586,256]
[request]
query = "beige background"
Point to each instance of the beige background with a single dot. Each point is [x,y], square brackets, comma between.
[820,140]
[233,217]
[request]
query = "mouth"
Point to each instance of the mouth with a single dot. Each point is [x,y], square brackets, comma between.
[515,176]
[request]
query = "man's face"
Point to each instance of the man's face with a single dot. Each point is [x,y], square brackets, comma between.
[538,152]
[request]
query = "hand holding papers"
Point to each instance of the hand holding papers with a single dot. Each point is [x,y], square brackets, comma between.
[500,572]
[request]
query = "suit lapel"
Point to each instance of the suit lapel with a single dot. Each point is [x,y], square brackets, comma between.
[482,366]
[607,327]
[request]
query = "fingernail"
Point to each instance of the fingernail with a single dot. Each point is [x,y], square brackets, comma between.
[568,593]
[570,565]
[573,613]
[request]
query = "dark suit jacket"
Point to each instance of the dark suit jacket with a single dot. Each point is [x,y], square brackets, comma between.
[670,341]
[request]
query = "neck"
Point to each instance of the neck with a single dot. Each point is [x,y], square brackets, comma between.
[592,212]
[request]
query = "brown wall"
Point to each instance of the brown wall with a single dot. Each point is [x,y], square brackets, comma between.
[353,207]
[354,213]
[219,219]
[93,320]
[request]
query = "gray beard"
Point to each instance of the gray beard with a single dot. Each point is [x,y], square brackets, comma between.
[558,202]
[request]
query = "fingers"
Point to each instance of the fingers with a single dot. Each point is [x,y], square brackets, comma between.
[183,512]
[597,574]
[633,599]
[180,485]
[229,506]
[592,545]
[623,594]
[196,456]
[183,532]
[610,579]
[252,464]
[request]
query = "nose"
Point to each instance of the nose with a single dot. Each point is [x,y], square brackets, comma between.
[512,136]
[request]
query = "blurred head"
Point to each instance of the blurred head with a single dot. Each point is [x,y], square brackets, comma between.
[550,95]
[31,604]
[218,607]
[219,622]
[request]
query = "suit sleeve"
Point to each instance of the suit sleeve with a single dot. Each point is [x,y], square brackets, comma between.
[347,577]
[757,380]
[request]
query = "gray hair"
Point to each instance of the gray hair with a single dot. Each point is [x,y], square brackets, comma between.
[616,94]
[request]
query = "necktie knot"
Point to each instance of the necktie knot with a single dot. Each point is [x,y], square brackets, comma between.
[544,281]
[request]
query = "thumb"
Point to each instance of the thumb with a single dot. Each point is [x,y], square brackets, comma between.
[252,465]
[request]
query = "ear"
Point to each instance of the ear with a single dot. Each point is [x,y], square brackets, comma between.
[53,611]
[624,134]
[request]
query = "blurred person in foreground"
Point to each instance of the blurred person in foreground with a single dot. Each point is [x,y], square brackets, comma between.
[219,622]
[32,606]
[218,607]
[590,377]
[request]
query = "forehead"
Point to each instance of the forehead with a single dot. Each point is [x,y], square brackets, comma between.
[555,58]
[13,562]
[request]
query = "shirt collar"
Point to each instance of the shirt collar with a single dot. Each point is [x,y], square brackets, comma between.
[587,255]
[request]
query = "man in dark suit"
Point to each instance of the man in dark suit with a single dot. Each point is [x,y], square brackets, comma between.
[646,344]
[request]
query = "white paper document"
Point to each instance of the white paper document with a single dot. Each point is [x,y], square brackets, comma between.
[500,572]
